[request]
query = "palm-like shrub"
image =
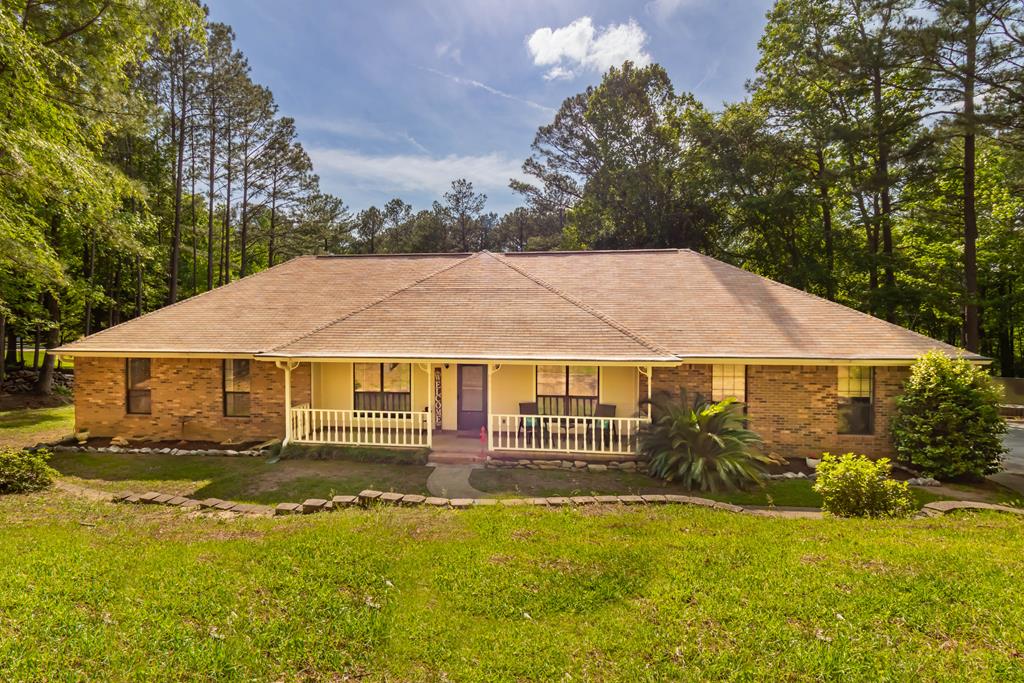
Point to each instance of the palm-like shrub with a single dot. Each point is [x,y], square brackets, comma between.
[704,445]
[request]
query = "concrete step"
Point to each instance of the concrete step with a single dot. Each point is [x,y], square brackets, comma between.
[455,458]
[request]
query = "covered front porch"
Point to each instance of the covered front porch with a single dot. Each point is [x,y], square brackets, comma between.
[493,407]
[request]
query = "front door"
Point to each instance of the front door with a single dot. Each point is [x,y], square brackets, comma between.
[472,397]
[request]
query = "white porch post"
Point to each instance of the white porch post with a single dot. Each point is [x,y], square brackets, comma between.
[490,433]
[650,382]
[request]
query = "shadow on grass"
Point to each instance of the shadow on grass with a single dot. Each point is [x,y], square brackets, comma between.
[241,479]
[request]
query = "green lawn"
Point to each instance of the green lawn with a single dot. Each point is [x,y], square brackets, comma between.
[236,478]
[102,591]
[27,427]
[525,482]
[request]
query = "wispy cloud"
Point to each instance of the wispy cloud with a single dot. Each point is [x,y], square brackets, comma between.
[358,129]
[664,9]
[494,91]
[579,46]
[399,173]
[445,50]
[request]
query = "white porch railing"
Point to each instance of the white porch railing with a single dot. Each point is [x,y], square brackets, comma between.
[566,433]
[360,427]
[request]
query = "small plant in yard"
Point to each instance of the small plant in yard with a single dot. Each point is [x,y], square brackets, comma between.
[947,421]
[853,485]
[24,471]
[704,445]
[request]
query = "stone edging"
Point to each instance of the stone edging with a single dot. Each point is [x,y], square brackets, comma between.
[371,497]
[163,451]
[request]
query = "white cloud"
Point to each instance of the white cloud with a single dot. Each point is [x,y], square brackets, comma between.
[397,173]
[494,91]
[578,47]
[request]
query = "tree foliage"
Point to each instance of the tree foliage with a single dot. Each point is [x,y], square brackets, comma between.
[947,420]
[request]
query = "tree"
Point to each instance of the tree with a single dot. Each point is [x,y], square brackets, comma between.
[461,210]
[369,226]
[969,50]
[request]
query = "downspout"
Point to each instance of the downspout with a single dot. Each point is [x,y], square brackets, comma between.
[287,366]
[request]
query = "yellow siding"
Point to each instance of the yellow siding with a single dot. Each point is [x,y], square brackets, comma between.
[421,381]
[510,386]
[333,389]
[619,388]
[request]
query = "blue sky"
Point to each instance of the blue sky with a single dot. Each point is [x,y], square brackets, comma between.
[400,97]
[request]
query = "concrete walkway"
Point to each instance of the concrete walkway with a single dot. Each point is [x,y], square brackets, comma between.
[1012,476]
[452,481]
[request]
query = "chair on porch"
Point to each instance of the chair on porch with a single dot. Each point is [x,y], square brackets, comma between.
[527,423]
[605,428]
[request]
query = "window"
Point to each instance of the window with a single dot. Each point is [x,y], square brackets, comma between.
[237,384]
[567,389]
[138,400]
[382,386]
[729,381]
[856,400]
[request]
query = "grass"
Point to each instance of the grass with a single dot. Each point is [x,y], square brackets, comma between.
[397,456]
[30,359]
[26,427]
[110,592]
[779,492]
[236,478]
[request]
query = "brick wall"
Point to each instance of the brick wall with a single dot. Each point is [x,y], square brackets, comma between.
[794,407]
[187,400]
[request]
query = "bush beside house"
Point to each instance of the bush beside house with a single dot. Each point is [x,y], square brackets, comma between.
[947,422]
[854,485]
[23,471]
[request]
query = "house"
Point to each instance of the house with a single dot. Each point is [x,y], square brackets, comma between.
[543,352]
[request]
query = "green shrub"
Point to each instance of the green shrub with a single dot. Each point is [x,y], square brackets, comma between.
[24,471]
[705,446]
[947,421]
[853,485]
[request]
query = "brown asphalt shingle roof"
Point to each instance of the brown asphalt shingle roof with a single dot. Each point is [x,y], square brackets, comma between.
[656,305]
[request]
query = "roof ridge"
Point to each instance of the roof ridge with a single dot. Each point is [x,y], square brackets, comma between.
[603,317]
[822,299]
[373,303]
[220,288]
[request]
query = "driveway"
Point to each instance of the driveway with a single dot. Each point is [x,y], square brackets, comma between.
[1013,472]
[1014,441]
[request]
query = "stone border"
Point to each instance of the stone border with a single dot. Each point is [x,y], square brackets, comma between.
[253,452]
[371,497]
[556,464]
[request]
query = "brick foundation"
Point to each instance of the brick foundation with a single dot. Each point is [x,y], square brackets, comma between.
[187,400]
[794,407]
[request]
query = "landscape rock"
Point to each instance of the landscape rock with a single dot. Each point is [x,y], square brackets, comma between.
[287,509]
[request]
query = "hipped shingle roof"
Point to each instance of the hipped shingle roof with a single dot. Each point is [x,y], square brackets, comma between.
[654,306]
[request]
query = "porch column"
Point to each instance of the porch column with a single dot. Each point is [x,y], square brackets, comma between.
[287,401]
[650,382]
[490,433]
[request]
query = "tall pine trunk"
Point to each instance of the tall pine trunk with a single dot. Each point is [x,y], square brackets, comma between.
[211,181]
[972,328]
[172,276]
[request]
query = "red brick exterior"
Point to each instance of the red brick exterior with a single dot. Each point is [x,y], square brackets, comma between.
[794,407]
[187,400]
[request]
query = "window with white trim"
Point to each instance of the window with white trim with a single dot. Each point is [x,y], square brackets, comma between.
[729,381]
[856,399]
